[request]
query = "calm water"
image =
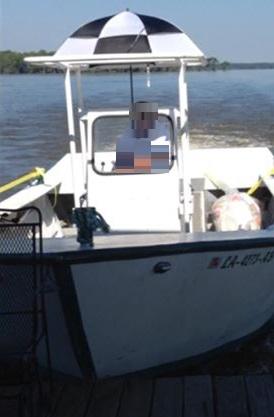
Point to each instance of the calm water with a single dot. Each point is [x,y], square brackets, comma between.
[225,109]
[233,108]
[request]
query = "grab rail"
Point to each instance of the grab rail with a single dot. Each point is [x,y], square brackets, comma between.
[35,173]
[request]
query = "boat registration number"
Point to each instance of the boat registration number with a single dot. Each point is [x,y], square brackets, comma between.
[233,261]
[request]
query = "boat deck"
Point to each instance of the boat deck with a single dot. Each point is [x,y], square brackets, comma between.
[188,396]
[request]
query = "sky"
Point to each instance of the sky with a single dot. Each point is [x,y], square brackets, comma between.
[232,30]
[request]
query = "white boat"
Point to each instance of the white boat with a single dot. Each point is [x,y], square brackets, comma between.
[164,285]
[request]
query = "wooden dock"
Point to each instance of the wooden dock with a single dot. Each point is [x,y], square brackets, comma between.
[188,396]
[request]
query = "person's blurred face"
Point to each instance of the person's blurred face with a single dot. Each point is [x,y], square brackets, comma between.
[143,116]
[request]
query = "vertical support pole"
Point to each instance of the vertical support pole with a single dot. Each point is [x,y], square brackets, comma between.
[71,133]
[79,91]
[82,125]
[131,85]
[183,152]
[83,136]
[89,154]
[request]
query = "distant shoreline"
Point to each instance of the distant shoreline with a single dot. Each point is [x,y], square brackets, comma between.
[12,62]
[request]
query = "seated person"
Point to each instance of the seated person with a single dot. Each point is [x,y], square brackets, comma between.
[144,147]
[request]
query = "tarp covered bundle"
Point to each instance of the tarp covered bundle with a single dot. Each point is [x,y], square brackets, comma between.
[126,33]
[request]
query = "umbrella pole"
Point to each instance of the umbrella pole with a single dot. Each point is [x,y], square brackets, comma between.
[131,85]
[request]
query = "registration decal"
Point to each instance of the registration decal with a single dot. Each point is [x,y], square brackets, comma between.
[233,261]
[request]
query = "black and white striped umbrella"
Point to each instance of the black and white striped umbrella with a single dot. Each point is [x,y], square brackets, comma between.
[128,32]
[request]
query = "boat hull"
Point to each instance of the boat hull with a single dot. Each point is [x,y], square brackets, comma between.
[123,316]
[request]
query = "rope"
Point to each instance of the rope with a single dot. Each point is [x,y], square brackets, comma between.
[55,197]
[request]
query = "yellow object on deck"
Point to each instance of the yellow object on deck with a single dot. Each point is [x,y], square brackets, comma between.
[35,173]
[259,182]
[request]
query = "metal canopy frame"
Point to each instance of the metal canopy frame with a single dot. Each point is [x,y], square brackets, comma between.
[111,59]
[78,62]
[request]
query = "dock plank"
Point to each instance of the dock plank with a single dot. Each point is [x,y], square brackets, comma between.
[168,398]
[73,400]
[190,396]
[44,408]
[50,399]
[260,389]
[136,398]
[105,399]
[230,396]
[198,396]
[8,407]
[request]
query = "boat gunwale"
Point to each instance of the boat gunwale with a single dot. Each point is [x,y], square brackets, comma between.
[94,254]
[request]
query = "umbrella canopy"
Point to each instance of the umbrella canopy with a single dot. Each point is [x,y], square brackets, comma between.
[129,33]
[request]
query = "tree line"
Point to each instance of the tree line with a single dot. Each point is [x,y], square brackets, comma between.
[13,63]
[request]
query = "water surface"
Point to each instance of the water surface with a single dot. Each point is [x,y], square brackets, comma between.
[231,108]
